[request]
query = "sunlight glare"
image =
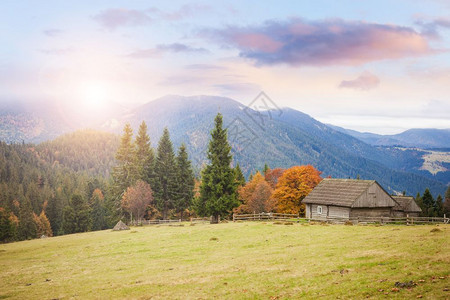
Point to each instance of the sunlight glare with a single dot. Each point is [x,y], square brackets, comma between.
[95,95]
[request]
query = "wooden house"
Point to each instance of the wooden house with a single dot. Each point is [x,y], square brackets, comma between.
[348,198]
[407,206]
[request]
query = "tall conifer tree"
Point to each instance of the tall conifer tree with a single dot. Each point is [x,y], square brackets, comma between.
[428,203]
[186,181]
[124,174]
[218,189]
[144,155]
[165,183]
[240,179]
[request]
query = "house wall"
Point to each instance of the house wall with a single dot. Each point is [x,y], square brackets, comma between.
[412,214]
[327,211]
[398,214]
[338,212]
[374,196]
[315,215]
[370,212]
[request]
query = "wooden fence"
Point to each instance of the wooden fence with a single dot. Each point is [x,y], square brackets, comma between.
[201,220]
[358,220]
[153,222]
[264,216]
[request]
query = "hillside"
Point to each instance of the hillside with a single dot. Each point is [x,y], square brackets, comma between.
[82,151]
[231,261]
[280,140]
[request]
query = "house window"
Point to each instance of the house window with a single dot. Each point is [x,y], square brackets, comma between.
[319,210]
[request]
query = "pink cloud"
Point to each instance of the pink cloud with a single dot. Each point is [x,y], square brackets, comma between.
[117,17]
[366,81]
[330,42]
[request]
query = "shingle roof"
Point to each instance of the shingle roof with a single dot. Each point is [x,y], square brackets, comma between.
[339,192]
[406,203]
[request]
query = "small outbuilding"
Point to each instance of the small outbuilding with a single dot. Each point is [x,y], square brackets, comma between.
[348,199]
[407,207]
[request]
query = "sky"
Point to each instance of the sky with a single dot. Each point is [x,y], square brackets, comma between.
[373,66]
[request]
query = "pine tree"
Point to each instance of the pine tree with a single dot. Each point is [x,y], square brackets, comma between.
[98,210]
[55,211]
[218,189]
[240,179]
[76,215]
[165,183]
[419,202]
[439,207]
[428,203]
[6,226]
[186,181]
[144,155]
[446,206]
[124,174]
[27,228]
[266,168]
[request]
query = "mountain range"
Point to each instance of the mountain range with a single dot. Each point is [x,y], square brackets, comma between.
[416,137]
[279,137]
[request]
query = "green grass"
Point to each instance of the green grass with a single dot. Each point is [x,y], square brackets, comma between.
[247,260]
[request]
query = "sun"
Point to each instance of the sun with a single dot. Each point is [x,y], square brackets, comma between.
[94,95]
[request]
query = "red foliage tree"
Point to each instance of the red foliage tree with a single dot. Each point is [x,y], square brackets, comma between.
[137,198]
[272,176]
[256,196]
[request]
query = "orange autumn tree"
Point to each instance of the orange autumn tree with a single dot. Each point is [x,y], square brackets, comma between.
[255,196]
[293,186]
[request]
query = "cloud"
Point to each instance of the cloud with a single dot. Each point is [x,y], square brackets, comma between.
[187,10]
[204,67]
[431,29]
[53,32]
[238,87]
[114,18]
[181,80]
[178,47]
[330,42]
[57,51]
[119,17]
[159,50]
[145,53]
[366,81]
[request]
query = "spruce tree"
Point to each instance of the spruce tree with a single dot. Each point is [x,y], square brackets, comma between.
[186,181]
[439,207]
[76,215]
[266,168]
[428,203]
[98,210]
[240,179]
[144,155]
[419,202]
[27,228]
[218,189]
[124,174]
[446,205]
[165,183]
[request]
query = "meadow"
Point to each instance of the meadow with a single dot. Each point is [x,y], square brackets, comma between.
[252,260]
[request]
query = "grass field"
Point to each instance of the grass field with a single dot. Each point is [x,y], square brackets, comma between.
[232,261]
